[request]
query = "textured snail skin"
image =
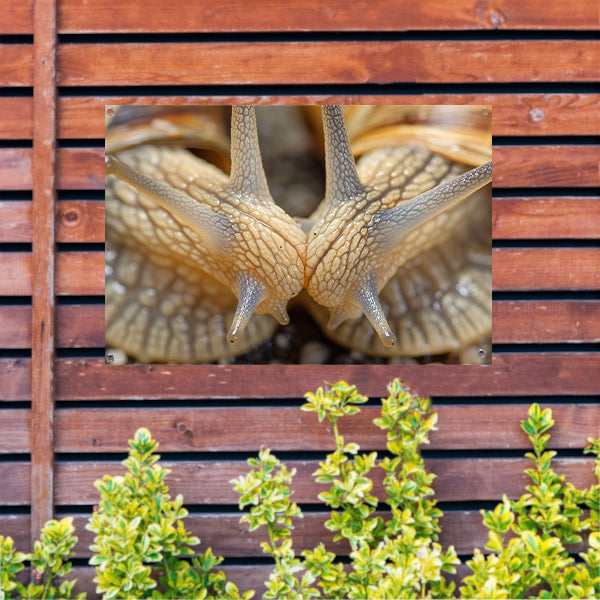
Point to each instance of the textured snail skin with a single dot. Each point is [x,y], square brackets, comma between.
[397,239]
[197,223]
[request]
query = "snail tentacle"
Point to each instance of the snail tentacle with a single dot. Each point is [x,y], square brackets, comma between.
[367,298]
[214,228]
[391,225]
[247,174]
[342,183]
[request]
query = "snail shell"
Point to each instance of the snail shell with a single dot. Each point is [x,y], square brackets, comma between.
[193,253]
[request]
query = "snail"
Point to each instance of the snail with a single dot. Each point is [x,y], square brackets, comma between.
[201,264]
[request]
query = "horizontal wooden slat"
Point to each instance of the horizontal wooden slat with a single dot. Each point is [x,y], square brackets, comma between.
[76,221]
[226,63]
[77,273]
[518,374]
[491,426]
[545,218]
[338,15]
[546,166]
[229,538]
[16,273]
[77,326]
[290,429]
[531,321]
[15,432]
[539,321]
[15,168]
[16,65]
[82,168]
[513,114]
[81,273]
[17,118]
[154,16]
[80,221]
[15,221]
[512,218]
[545,268]
[208,482]
[514,166]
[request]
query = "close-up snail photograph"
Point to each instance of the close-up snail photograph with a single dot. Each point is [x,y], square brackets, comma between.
[298,235]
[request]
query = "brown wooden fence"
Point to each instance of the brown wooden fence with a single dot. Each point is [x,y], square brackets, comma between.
[65,417]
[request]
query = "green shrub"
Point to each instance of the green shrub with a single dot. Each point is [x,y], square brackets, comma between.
[49,560]
[142,549]
[399,557]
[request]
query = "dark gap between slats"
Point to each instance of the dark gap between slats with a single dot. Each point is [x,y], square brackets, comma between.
[533,192]
[561,296]
[546,243]
[522,140]
[286,456]
[81,194]
[527,348]
[503,35]
[80,246]
[16,247]
[80,352]
[15,300]
[332,89]
[297,402]
[16,144]
[15,196]
[77,300]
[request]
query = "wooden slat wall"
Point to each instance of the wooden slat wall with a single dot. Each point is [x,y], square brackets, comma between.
[534,62]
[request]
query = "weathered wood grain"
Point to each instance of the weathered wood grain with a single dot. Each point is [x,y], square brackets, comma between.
[539,321]
[546,166]
[545,269]
[154,16]
[229,538]
[81,273]
[76,221]
[43,265]
[15,221]
[77,273]
[492,427]
[459,479]
[513,114]
[529,218]
[16,65]
[15,432]
[567,217]
[524,218]
[80,169]
[364,15]
[77,326]
[514,166]
[15,169]
[16,273]
[290,429]
[208,482]
[515,322]
[17,118]
[520,373]
[80,221]
[273,63]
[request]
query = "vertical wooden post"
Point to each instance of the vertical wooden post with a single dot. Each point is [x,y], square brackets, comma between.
[42,357]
